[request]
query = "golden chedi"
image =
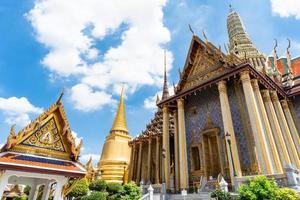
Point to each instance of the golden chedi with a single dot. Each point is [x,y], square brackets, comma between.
[115,156]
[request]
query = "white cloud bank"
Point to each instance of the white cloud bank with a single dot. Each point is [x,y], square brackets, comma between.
[286,8]
[18,110]
[70,30]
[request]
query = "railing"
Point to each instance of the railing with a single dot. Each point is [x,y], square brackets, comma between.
[149,195]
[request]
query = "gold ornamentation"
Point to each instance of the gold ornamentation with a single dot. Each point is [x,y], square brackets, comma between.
[245,77]
[222,86]
[12,138]
[46,137]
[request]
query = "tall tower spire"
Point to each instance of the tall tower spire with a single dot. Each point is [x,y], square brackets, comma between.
[165,87]
[115,155]
[120,120]
[240,43]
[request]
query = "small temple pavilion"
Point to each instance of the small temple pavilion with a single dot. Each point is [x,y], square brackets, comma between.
[44,153]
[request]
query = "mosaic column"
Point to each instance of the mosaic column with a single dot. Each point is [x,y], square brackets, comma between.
[184,180]
[269,136]
[276,130]
[291,123]
[131,164]
[176,147]
[235,166]
[285,130]
[157,163]
[166,146]
[139,164]
[256,124]
[149,159]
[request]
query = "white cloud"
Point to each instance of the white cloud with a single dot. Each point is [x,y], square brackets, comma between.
[150,102]
[77,139]
[85,157]
[70,29]
[286,8]
[86,99]
[1,145]
[18,110]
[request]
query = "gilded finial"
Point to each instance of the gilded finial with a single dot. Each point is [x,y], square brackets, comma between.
[165,86]
[204,35]
[226,49]
[192,31]
[120,120]
[289,45]
[61,95]
[275,46]
[157,99]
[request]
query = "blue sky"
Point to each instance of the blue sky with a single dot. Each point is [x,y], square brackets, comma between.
[91,48]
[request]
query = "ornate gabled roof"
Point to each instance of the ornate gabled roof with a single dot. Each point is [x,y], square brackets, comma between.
[204,61]
[49,135]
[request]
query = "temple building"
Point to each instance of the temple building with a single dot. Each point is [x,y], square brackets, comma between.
[44,153]
[233,115]
[115,157]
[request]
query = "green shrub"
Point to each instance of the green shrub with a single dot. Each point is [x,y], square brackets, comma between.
[20,198]
[96,196]
[220,195]
[114,188]
[131,192]
[27,189]
[98,185]
[80,189]
[258,188]
[287,194]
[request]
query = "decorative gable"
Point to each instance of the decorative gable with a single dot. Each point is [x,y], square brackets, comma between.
[204,61]
[49,135]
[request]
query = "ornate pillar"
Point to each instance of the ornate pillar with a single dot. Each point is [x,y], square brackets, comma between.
[285,130]
[3,183]
[132,161]
[166,146]
[184,180]
[157,163]
[46,191]
[276,130]
[256,124]
[266,124]
[234,167]
[149,159]
[292,125]
[139,164]
[176,147]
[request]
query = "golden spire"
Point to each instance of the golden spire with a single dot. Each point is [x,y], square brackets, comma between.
[120,120]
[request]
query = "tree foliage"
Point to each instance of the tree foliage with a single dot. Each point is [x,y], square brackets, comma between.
[262,188]
[220,195]
[80,189]
[98,185]
[96,196]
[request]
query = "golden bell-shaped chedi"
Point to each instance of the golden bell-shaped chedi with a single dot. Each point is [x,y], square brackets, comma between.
[116,152]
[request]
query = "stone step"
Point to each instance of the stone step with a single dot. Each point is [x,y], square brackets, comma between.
[201,196]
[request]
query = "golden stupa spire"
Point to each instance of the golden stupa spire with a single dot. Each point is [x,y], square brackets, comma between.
[120,120]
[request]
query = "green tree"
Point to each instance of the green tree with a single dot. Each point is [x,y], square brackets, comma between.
[131,192]
[114,188]
[287,194]
[98,185]
[20,198]
[80,189]
[220,195]
[96,196]
[258,189]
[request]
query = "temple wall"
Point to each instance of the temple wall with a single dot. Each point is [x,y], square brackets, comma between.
[196,109]
[295,110]
[241,123]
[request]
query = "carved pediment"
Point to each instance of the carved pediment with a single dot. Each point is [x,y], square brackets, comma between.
[204,62]
[49,135]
